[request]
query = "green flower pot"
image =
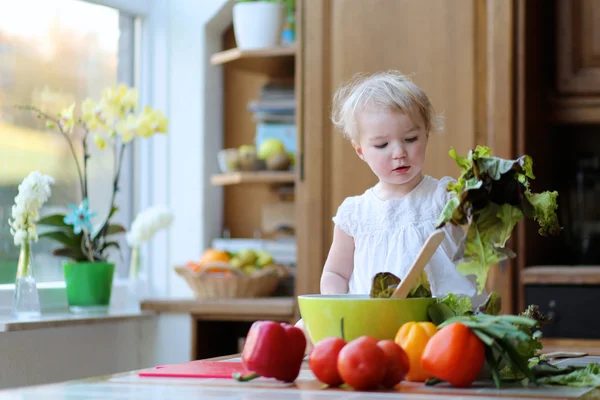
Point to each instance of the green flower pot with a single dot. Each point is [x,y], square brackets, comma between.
[89,285]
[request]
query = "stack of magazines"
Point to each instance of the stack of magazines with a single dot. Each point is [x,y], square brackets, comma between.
[276,103]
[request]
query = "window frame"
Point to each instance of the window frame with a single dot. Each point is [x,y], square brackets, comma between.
[150,78]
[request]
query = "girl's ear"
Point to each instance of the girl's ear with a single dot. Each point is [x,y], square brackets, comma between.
[358,150]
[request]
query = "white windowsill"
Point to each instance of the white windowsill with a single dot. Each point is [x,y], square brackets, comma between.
[59,319]
[55,310]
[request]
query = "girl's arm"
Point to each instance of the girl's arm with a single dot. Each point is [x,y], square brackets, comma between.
[339,264]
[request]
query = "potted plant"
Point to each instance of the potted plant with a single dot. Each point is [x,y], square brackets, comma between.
[115,123]
[258,24]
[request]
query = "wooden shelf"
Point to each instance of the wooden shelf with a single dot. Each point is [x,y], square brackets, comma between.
[561,275]
[271,60]
[236,178]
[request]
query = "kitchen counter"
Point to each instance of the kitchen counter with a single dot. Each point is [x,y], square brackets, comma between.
[130,386]
[219,326]
[280,308]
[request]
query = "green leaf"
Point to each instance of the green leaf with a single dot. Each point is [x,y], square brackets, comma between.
[492,305]
[68,239]
[54,220]
[447,212]
[384,284]
[509,216]
[75,254]
[480,250]
[490,197]
[462,162]
[460,305]
[439,312]
[113,229]
[527,166]
[545,206]
[110,244]
[495,167]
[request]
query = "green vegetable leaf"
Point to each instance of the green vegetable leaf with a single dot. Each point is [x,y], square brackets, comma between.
[480,249]
[422,287]
[509,216]
[492,305]
[588,376]
[490,197]
[545,207]
[384,284]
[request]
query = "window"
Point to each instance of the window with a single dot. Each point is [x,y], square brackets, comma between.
[54,53]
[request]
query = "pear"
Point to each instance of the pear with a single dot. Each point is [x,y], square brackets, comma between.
[269,148]
[247,257]
[264,258]
[235,262]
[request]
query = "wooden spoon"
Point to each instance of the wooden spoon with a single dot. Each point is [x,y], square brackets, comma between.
[431,244]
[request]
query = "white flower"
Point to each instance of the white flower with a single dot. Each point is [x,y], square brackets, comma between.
[34,191]
[147,223]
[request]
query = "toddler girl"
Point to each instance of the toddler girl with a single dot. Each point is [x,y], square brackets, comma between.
[388,119]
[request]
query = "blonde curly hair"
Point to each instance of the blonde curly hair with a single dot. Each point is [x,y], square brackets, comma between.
[388,90]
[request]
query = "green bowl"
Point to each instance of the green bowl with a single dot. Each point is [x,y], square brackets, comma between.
[362,315]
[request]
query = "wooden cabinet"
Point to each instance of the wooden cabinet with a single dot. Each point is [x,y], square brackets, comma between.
[578,47]
[459,52]
[576,96]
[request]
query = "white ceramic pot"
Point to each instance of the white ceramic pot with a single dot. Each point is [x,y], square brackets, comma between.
[258,24]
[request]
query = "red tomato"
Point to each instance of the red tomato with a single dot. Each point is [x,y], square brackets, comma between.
[454,354]
[323,360]
[397,363]
[361,363]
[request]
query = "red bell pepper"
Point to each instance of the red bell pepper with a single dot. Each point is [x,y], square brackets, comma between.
[273,350]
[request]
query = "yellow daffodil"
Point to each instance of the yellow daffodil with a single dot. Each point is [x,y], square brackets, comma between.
[100,142]
[66,119]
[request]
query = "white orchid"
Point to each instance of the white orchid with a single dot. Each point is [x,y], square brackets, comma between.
[148,223]
[34,191]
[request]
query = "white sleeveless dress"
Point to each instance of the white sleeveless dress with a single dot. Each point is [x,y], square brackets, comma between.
[389,234]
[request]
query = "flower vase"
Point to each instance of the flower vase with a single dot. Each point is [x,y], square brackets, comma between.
[136,285]
[26,300]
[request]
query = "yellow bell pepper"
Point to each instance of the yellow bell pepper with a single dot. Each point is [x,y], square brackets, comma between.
[413,337]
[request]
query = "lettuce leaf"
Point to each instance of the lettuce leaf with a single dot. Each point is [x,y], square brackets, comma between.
[490,197]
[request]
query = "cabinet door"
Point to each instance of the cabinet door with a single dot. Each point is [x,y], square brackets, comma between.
[578,47]
[442,45]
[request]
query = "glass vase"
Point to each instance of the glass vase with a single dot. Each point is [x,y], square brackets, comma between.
[136,283]
[26,300]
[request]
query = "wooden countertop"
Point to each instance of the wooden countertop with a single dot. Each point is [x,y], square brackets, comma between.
[282,308]
[561,275]
[126,385]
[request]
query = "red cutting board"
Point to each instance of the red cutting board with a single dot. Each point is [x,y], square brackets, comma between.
[197,369]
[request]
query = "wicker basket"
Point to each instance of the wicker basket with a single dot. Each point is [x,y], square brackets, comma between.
[210,284]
